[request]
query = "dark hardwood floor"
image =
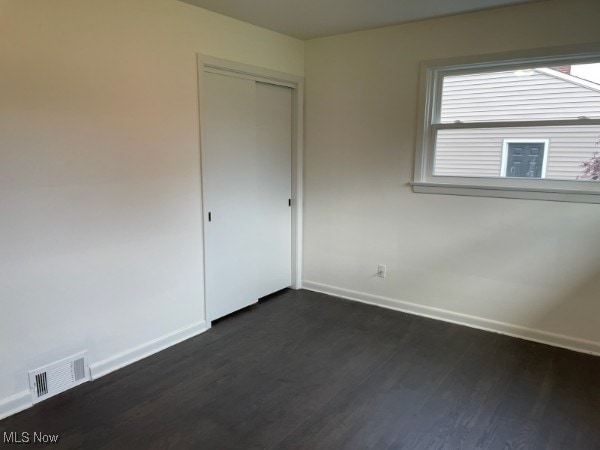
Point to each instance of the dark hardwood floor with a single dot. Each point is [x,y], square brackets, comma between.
[308,371]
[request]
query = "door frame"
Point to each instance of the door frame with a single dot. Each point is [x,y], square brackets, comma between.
[296,83]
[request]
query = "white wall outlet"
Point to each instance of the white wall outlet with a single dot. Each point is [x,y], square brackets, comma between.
[381,271]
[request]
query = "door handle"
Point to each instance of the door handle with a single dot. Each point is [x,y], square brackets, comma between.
[209,216]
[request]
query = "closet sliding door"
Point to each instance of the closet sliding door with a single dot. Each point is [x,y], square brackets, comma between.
[246,179]
[274,140]
[230,193]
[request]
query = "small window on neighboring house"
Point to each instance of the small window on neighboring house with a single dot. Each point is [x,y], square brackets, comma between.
[486,127]
[524,159]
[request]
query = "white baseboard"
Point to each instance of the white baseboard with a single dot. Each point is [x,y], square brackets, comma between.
[22,400]
[120,360]
[531,334]
[15,403]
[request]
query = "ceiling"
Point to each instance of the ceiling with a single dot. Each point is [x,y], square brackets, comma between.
[306,19]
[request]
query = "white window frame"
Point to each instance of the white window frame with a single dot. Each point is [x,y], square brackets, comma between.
[505,142]
[432,75]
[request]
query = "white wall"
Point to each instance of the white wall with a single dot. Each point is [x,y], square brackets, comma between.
[510,265]
[100,206]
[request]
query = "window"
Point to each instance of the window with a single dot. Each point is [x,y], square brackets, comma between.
[517,126]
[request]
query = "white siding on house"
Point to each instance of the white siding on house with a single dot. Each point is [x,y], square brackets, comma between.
[478,152]
[506,96]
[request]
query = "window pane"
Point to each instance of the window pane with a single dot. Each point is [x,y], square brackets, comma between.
[557,153]
[565,92]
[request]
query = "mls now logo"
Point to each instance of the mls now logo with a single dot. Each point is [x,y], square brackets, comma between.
[25,438]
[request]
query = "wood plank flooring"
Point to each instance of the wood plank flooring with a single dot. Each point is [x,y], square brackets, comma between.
[307,371]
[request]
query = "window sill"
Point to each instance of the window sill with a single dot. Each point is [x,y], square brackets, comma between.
[525,193]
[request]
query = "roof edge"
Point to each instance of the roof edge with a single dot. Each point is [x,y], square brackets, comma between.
[570,78]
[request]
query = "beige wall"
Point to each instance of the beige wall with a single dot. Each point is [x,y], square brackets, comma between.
[100,207]
[525,264]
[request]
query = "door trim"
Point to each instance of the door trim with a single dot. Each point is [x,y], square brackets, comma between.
[232,68]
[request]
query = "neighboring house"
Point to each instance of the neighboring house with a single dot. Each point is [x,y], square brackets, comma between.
[547,152]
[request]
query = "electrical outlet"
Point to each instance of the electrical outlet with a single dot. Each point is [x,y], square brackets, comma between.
[381,271]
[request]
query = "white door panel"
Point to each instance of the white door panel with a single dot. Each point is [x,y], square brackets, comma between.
[274,140]
[229,170]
